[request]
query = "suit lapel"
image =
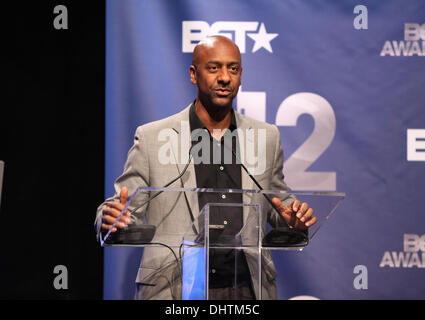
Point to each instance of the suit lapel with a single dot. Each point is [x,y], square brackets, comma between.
[188,180]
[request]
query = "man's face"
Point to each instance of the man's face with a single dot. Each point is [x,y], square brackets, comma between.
[217,72]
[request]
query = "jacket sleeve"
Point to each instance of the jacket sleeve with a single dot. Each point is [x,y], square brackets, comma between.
[135,175]
[277,179]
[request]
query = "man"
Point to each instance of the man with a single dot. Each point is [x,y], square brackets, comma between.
[216,71]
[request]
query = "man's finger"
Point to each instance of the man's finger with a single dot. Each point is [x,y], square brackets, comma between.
[302,210]
[107,227]
[112,214]
[307,215]
[109,223]
[296,205]
[279,205]
[123,195]
[286,212]
[112,211]
[110,218]
[310,222]
[117,205]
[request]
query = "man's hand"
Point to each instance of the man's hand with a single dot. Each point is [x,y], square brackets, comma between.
[297,214]
[113,209]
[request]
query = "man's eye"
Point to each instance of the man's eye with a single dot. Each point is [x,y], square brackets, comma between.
[212,68]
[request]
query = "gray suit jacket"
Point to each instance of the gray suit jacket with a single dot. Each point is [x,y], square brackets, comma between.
[159,276]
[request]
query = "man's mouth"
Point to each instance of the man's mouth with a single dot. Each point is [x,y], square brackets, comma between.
[223,92]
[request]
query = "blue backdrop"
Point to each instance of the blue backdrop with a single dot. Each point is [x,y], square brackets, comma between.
[346,87]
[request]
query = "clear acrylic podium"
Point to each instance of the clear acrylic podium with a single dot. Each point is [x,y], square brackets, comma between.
[170,217]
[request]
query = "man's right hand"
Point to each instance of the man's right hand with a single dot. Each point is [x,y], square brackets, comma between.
[113,209]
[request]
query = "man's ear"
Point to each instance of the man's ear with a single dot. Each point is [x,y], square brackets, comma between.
[192,71]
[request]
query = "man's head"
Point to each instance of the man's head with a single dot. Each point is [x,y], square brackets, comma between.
[216,70]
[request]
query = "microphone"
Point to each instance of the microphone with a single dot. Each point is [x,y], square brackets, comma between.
[141,233]
[279,236]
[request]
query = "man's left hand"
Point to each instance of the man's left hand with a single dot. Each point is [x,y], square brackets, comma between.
[297,214]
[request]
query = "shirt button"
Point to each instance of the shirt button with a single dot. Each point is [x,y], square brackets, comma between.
[213,270]
[221,168]
[223,196]
[225,222]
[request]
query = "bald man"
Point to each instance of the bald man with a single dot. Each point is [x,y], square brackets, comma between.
[216,70]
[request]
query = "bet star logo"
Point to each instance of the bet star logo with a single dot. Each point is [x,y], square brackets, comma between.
[262,39]
[194,31]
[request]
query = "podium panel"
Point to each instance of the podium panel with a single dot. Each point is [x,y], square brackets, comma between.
[214,240]
[191,242]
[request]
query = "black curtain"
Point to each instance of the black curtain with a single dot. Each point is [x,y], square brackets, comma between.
[52,142]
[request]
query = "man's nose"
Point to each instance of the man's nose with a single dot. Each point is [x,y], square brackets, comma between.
[224,76]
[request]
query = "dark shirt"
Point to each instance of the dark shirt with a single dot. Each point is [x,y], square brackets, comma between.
[221,173]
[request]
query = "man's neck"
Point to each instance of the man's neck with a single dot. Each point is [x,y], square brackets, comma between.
[215,119]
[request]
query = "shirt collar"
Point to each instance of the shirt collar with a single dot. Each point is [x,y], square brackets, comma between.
[196,123]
